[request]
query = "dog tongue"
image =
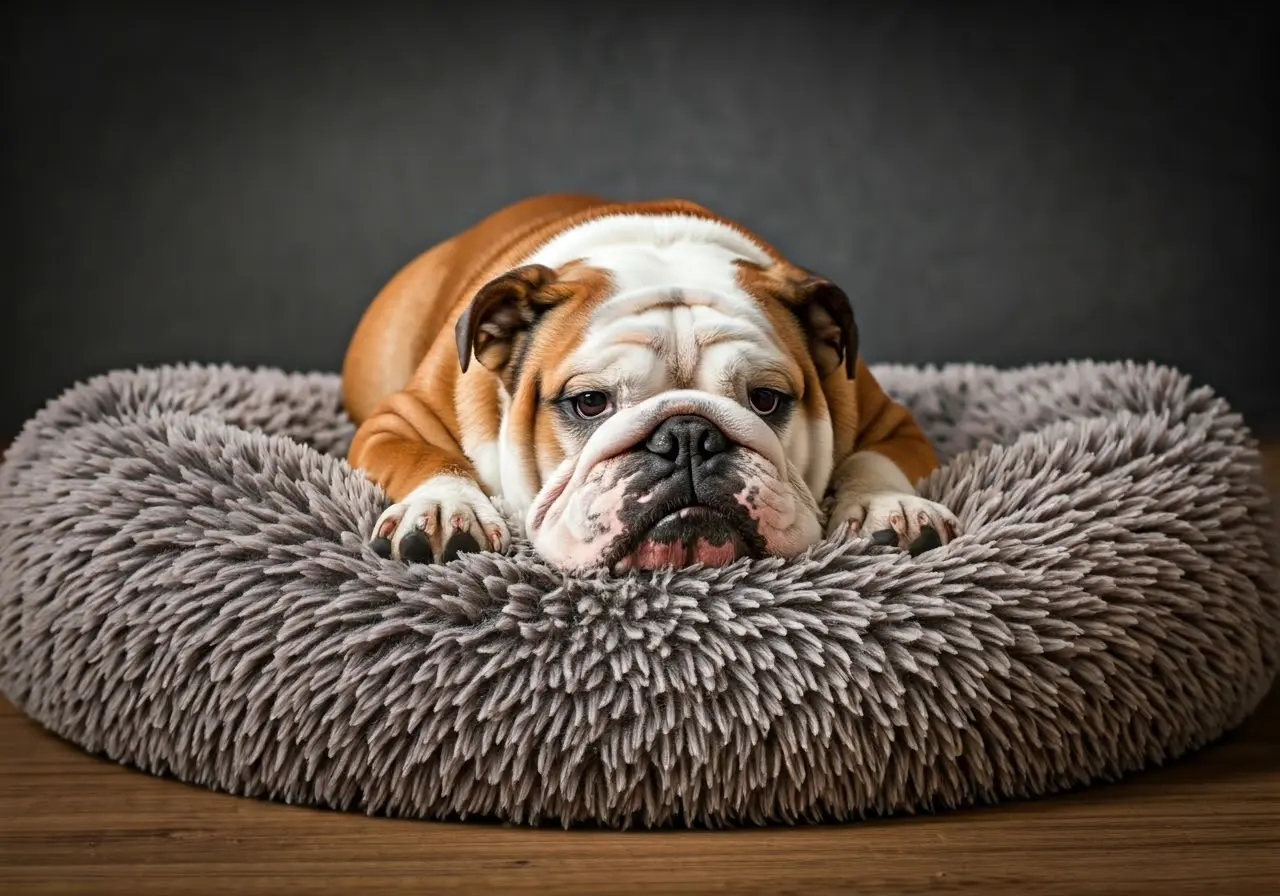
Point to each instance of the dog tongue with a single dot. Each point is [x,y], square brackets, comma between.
[658,554]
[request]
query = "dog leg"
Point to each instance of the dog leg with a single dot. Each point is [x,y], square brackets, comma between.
[439,508]
[874,495]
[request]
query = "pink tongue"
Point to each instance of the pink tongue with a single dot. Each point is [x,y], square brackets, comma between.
[658,554]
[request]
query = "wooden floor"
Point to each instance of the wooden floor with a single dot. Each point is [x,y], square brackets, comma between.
[72,823]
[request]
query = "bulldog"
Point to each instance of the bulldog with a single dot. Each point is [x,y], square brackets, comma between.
[648,384]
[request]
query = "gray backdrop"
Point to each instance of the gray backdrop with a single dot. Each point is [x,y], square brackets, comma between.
[1000,186]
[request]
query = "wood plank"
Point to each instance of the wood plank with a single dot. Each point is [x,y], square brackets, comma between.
[73,823]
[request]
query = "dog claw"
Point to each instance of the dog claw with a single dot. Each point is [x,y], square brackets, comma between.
[415,548]
[382,547]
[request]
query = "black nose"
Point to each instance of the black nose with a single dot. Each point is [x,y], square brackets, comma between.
[687,436]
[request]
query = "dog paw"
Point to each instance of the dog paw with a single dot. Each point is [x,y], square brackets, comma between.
[440,519]
[912,523]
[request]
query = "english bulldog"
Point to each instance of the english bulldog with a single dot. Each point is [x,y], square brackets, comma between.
[647,384]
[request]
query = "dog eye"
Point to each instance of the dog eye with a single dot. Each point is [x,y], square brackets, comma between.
[765,401]
[590,404]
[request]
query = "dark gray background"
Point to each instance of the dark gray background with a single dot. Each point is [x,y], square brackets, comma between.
[1000,185]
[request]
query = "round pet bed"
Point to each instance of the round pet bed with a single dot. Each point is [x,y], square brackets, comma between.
[185,586]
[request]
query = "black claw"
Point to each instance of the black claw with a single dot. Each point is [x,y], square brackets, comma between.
[926,541]
[460,543]
[381,547]
[884,537]
[414,548]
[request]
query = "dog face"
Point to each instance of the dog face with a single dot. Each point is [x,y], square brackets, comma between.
[663,410]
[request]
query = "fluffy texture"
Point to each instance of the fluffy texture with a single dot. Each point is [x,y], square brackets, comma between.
[185,587]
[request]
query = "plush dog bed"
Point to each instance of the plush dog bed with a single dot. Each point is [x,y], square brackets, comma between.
[185,586]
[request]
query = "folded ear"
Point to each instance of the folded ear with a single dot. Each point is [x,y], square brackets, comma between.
[501,315]
[826,314]
[823,310]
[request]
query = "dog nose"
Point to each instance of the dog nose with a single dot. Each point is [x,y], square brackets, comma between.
[687,435]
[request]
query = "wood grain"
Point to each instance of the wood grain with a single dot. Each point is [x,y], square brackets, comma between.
[1209,823]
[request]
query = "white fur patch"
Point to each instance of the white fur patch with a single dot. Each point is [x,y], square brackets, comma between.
[487,459]
[588,239]
[443,488]
[510,470]
[655,259]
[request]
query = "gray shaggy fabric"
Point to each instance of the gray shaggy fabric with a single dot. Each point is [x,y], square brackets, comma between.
[185,587]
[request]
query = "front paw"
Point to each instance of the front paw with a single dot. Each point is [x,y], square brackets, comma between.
[440,519]
[912,523]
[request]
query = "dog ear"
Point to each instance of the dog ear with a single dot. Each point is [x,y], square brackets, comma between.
[822,308]
[826,314]
[501,315]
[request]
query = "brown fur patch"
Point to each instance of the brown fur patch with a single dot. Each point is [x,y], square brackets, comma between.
[832,397]
[532,424]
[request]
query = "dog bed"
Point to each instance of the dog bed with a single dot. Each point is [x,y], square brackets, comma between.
[185,586]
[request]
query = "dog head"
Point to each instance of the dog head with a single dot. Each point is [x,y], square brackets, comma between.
[663,403]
